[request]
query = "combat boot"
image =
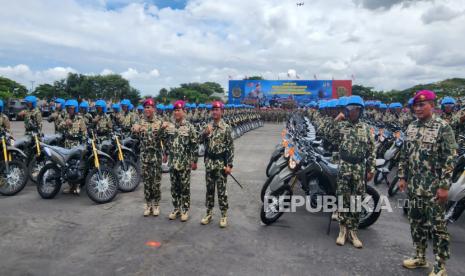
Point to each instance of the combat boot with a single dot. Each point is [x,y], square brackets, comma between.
[439,269]
[174,215]
[223,221]
[416,262]
[341,239]
[207,218]
[354,239]
[184,216]
[147,209]
[155,210]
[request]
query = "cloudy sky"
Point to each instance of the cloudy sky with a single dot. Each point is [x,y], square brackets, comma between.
[388,44]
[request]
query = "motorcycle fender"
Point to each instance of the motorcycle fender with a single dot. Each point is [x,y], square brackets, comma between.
[100,154]
[279,180]
[277,153]
[278,165]
[125,150]
[20,152]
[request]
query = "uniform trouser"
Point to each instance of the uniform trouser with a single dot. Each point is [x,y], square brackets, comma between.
[425,215]
[151,175]
[180,189]
[216,179]
[350,185]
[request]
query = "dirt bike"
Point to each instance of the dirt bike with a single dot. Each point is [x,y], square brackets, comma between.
[83,165]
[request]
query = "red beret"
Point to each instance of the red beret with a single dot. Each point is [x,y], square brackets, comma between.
[179,104]
[217,104]
[148,101]
[424,95]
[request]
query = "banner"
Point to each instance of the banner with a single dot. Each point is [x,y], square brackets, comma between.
[285,92]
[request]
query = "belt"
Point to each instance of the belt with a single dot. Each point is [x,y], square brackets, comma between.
[351,159]
[216,156]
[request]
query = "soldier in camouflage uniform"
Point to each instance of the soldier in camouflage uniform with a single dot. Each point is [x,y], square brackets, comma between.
[126,118]
[73,126]
[32,116]
[182,144]
[58,115]
[356,159]
[84,112]
[219,155]
[74,132]
[4,121]
[447,107]
[425,168]
[151,132]
[102,122]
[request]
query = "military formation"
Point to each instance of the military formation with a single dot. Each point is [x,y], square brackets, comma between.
[175,132]
[427,157]
[166,133]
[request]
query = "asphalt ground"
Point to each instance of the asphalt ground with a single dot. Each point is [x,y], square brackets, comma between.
[71,235]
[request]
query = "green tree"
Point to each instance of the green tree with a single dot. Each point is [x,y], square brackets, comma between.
[11,89]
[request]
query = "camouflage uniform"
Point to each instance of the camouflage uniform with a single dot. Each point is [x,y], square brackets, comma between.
[151,137]
[447,117]
[126,120]
[183,151]
[426,162]
[4,124]
[75,134]
[57,117]
[357,156]
[103,126]
[459,127]
[32,121]
[219,153]
[88,119]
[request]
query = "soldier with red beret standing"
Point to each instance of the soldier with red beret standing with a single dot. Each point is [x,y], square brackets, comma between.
[182,145]
[219,155]
[151,132]
[425,169]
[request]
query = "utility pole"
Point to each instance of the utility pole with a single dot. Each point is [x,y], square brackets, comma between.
[32,86]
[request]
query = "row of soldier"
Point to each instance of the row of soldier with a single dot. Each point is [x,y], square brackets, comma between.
[424,171]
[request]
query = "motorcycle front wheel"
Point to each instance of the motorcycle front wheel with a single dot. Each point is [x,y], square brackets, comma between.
[271,209]
[101,186]
[128,175]
[49,181]
[13,180]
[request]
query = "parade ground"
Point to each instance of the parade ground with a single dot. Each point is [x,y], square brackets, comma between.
[71,235]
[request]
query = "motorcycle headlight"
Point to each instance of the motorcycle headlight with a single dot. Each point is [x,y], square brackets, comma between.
[292,164]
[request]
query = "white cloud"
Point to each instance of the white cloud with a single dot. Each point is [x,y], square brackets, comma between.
[386,44]
[23,74]
[106,72]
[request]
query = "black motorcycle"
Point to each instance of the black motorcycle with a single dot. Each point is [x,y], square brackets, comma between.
[317,177]
[83,165]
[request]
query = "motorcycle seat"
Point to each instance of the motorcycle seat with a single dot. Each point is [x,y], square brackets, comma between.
[333,169]
[48,139]
[69,153]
